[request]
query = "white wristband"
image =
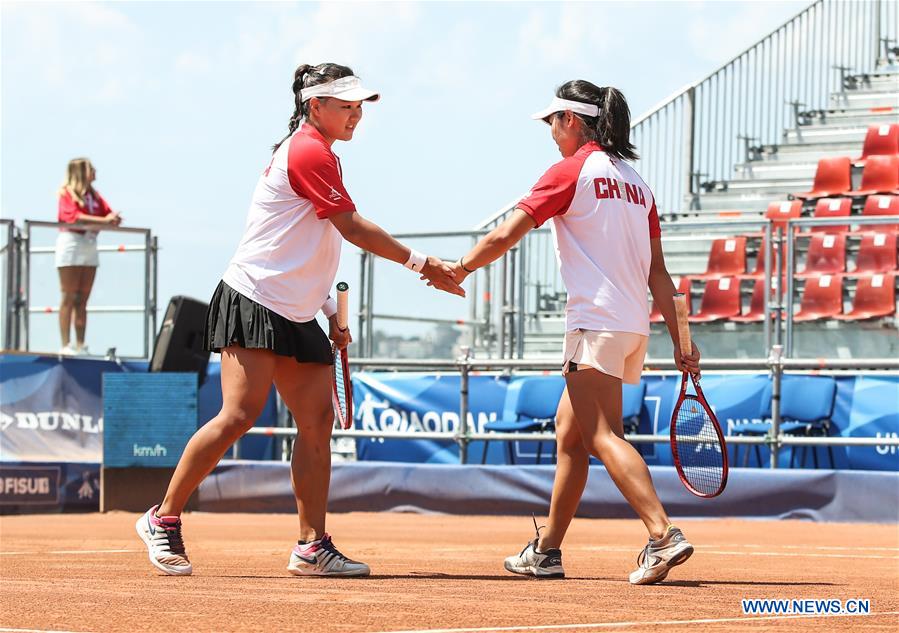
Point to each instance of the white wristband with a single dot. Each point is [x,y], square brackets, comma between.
[416,261]
[329,308]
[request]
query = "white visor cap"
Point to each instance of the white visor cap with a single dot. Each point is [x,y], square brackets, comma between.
[346,89]
[561,105]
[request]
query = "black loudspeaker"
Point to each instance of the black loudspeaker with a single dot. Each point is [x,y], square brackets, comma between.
[179,344]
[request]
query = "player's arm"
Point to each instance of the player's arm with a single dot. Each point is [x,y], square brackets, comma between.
[498,241]
[663,291]
[369,236]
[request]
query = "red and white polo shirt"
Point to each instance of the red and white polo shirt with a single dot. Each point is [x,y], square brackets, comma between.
[603,216]
[288,257]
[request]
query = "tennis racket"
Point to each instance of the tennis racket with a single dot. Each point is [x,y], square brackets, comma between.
[697,444]
[342,385]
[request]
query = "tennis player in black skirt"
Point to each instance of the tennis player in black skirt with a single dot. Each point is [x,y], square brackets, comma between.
[262,319]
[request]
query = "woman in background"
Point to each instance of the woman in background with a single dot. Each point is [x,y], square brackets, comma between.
[76,249]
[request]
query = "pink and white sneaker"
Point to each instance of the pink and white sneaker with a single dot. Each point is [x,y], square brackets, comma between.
[321,558]
[162,536]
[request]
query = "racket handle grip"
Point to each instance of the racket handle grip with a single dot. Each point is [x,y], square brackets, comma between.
[683,324]
[342,305]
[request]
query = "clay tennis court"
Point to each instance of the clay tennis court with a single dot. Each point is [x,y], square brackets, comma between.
[432,572]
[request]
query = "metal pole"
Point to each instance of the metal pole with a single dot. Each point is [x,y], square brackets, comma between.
[360,331]
[154,304]
[473,306]
[24,303]
[147,282]
[767,256]
[877,32]
[501,334]
[776,361]
[462,436]
[791,255]
[779,281]
[522,288]
[689,143]
[17,290]
[370,295]
[10,304]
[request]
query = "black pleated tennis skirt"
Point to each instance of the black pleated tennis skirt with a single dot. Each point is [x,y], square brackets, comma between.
[233,319]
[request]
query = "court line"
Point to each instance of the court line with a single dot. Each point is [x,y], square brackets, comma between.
[35,631]
[702,550]
[72,551]
[612,625]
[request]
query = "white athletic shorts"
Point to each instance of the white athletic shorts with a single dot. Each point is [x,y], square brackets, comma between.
[618,354]
[76,249]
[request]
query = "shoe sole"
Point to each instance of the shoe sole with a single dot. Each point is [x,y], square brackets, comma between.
[167,569]
[678,559]
[530,570]
[346,574]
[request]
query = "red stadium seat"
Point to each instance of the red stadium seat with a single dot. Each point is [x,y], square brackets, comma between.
[726,258]
[881,140]
[756,312]
[881,205]
[833,178]
[720,300]
[832,208]
[876,253]
[880,175]
[684,287]
[780,212]
[875,297]
[826,254]
[821,299]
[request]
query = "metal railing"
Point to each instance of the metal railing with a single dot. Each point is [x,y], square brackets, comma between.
[699,133]
[24,308]
[749,101]
[11,281]
[776,364]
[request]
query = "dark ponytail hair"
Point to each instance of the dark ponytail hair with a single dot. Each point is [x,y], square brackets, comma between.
[306,76]
[611,128]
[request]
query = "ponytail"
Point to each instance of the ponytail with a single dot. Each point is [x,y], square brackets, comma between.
[611,128]
[306,76]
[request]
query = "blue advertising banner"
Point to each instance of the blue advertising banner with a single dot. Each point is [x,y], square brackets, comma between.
[863,406]
[148,418]
[49,487]
[51,408]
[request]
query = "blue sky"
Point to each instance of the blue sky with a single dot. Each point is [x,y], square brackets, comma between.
[177,104]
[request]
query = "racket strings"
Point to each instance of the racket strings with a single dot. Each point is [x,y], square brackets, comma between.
[340,384]
[699,448]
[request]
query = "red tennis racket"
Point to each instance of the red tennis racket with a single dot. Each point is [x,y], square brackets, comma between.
[342,386]
[697,443]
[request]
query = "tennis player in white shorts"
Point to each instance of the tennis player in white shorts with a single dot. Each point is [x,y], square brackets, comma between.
[606,229]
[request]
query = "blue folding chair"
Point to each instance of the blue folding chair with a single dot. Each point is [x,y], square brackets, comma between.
[632,405]
[535,411]
[754,429]
[806,409]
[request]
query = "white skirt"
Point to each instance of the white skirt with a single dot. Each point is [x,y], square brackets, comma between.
[77,249]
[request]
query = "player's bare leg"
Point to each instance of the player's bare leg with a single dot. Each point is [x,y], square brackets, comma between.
[572,467]
[596,401]
[306,390]
[246,381]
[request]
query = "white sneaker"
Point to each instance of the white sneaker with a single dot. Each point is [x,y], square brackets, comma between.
[82,351]
[659,556]
[68,350]
[321,558]
[530,562]
[165,546]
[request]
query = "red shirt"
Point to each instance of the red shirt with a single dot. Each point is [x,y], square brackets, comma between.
[94,204]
